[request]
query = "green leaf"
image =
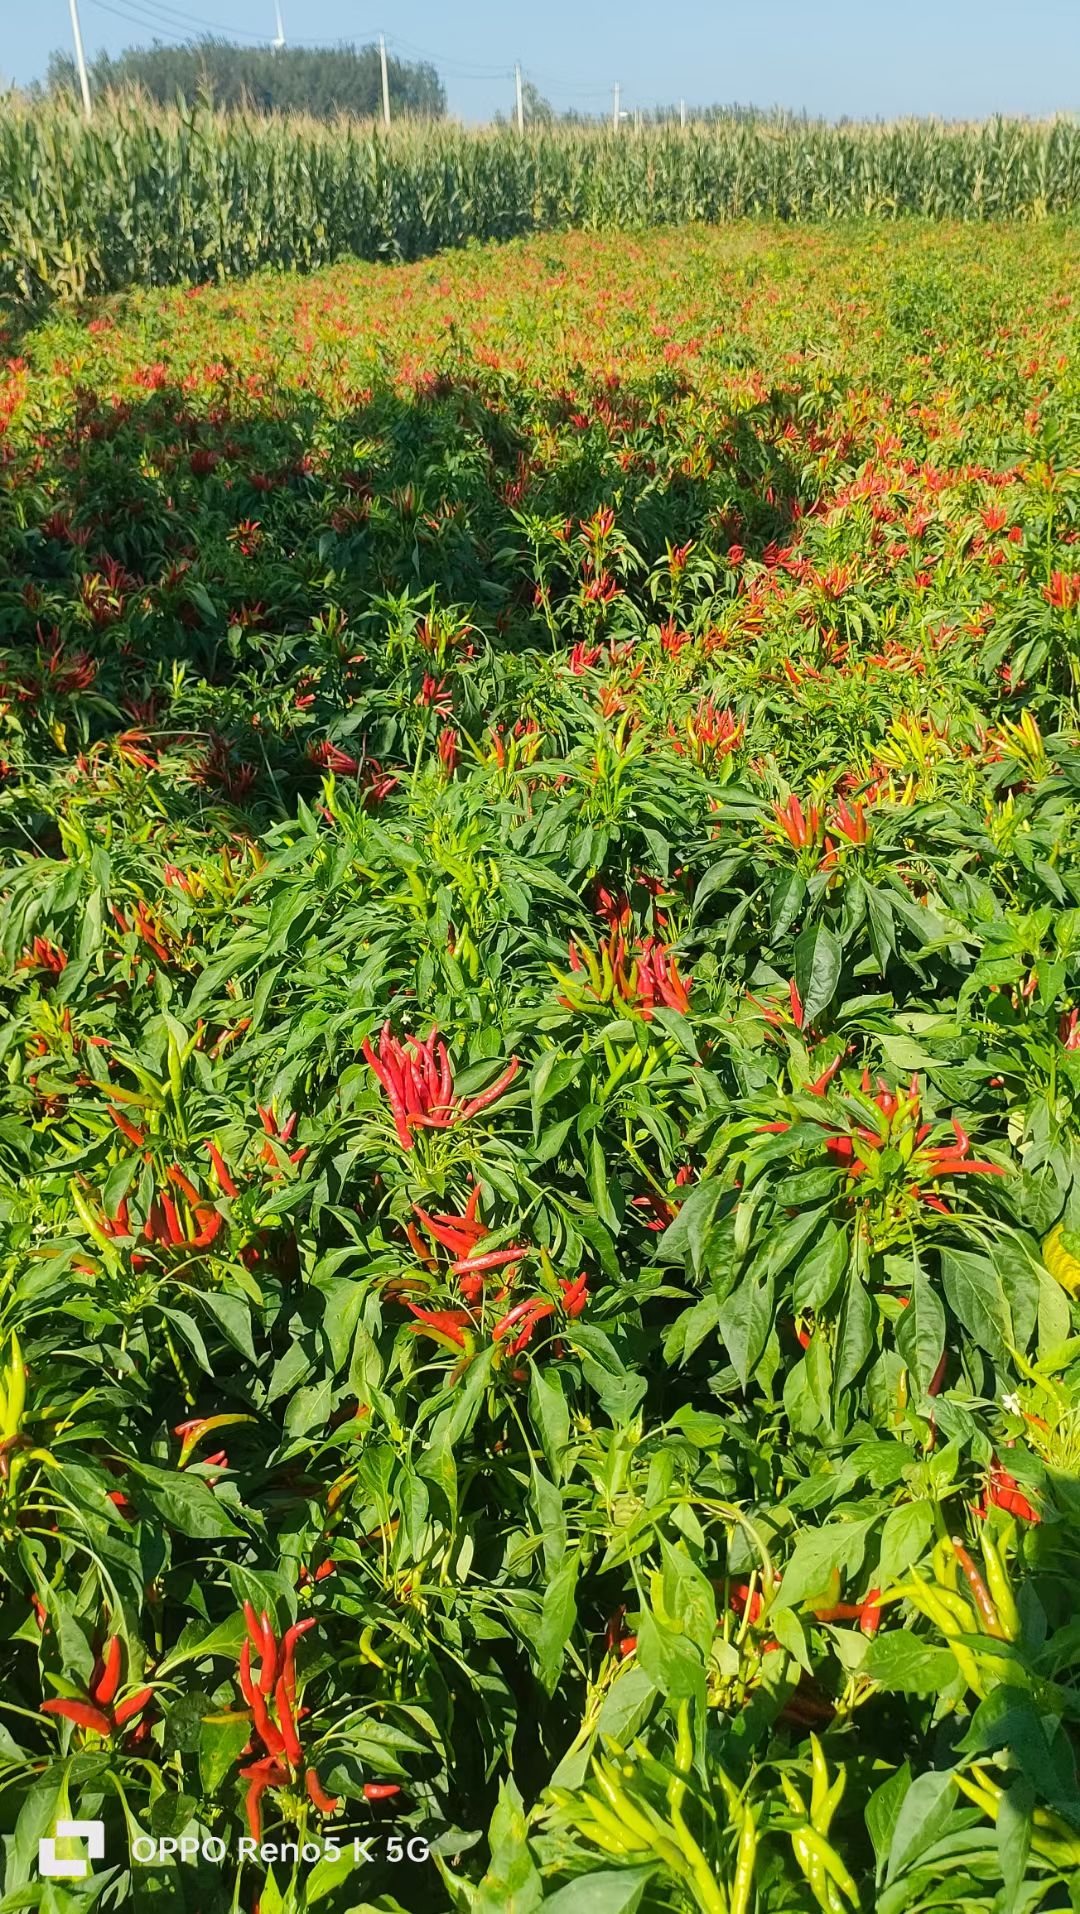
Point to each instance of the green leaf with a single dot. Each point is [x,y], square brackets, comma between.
[550,1415]
[608,1891]
[974,1292]
[557,1618]
[684,1239]
[184,1502]
[820,1271]
[818,963]
[670,1660]
[855,1333]
[222,1739]
[512,1883]
[883,1809]
[907,1665]
[1014,1828]
[924,1814]
[904,1539]
[817,1552]
[920,1331]
[309,1409]
[743,1322]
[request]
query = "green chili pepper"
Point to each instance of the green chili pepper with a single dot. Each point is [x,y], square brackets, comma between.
[997,1581]
[743,1884]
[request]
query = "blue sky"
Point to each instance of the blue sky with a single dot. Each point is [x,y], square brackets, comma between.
[958,58]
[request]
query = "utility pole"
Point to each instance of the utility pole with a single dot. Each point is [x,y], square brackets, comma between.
[280,41]
[385,82]
[615,115]
[80,57]
[682,113]
[520,102]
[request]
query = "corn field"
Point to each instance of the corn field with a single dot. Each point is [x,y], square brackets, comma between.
[166,197]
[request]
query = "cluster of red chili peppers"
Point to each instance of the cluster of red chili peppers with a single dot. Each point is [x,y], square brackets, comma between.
[273,1688]
[419,1084]
[473,1268]
[180,1215]
[42,954]
[809,829]
[99,1713]
[900,1126]
[710,733]
[639,979]
[271,1697]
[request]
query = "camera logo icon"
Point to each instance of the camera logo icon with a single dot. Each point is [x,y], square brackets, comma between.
[49,1862]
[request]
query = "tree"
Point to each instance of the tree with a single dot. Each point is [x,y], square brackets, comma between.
[322,81]
[536,111]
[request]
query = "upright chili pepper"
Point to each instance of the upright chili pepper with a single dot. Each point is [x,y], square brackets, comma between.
[225,1182]
[109,1681]
[997,1581]
[988,1614]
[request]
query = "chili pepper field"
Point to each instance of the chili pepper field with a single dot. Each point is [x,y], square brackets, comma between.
[540,1141]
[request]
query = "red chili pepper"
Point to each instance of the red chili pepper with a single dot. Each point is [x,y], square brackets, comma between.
[938,1376]
[268,1670]
[210,1222]
[518,1313]
[614,1629]
[820,1084]
[412,1089]
[176,1175]
[252,1623]
[261,1775]
[82,1713]
[456,1233]
[244,1674]
[444,1322]
[288,1725]
[741,1599]
[1003,1491]
[134,1705]
[291,1637]
[493,1259]
[317,1795]
[252,1801]
[418,1246]
[380,1790]
[870,1612]
[268,1733]
[575,1293]
[109,1682]
[225,1182]
[487,1097]
[128,1129]
[172,1220]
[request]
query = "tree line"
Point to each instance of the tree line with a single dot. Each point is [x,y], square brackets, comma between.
[321,81]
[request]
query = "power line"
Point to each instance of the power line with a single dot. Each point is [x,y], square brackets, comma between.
[179,21]
[173,21]
[450,65]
